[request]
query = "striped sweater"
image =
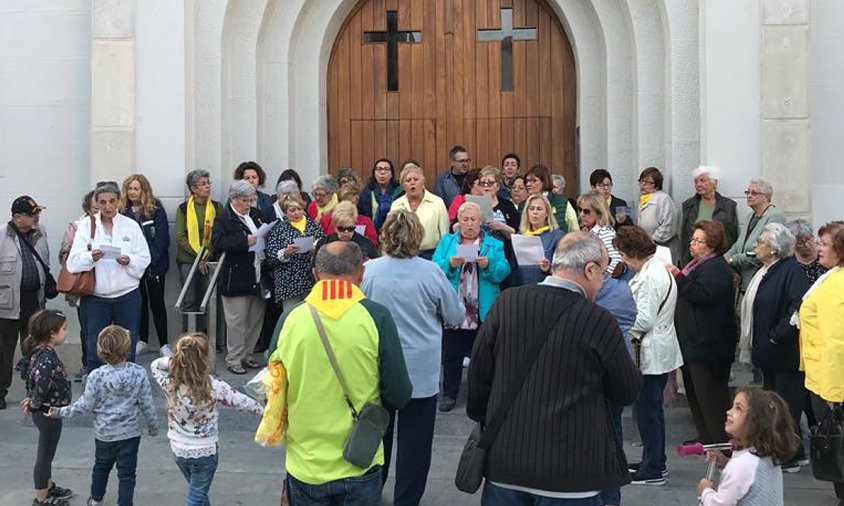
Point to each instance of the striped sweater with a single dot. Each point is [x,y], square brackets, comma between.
[558,435]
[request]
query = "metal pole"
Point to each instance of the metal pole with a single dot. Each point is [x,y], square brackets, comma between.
[212,283]
[193,269]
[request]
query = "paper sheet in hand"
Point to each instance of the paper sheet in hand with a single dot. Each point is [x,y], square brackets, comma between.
[264,228]
[305,244]
[469,252]
[486,206]
[528,249]
[663,254]
[109,252]
[360,229]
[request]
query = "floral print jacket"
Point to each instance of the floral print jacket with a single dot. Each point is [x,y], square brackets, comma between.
[47,384]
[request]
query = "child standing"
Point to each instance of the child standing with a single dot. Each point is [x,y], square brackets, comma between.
[116,393]
[759,421]
[47,386]
[192,397]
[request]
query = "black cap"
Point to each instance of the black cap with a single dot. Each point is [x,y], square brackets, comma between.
[26,205]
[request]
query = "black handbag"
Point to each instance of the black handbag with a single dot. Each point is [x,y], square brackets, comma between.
[472,464]
[370,423]
[50,289]
[827,446]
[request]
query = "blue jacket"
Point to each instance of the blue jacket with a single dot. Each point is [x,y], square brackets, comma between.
[157,234]
[489,278]
[616,297]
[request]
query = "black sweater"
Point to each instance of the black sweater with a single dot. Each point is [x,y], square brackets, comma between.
[558,435]
[237,276]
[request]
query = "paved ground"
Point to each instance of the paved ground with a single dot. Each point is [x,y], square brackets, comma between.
[251,475]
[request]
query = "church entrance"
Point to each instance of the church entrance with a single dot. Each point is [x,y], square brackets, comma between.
[412,78]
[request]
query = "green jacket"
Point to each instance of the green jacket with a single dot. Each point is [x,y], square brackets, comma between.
[184,253]
[737,255]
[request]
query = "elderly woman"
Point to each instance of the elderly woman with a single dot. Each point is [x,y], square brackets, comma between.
[138,203]
[194,226]
[805,251]
[292,175]
[239,282]
[505,217]
[706,204]
[538,181]
[429,208]
[324,190]
[344,221]
[377,196]
[657,212]
[117,298]
[822,328]
[350,192]
[657,349]
[291,267]
[421,300]
[595,218]
[705,322]
[254,174]
[518,192]
[601,182]
[476,280]
[773,295]
[346,175]
[469,187]
[759,193]
[538,220]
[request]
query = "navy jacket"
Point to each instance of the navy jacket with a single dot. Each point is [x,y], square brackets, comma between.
[237,276]
[157,235]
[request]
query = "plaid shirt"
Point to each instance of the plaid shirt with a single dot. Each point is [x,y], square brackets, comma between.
[30,278]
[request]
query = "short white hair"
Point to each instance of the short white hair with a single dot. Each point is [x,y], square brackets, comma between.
[710,171]
[573,254]
[242,189]
[780,239]
[764,186]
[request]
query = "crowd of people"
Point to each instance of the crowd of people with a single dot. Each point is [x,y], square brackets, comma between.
[400,286]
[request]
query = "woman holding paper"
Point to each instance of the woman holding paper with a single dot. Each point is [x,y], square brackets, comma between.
[537,222]
[475,265]
[119,255]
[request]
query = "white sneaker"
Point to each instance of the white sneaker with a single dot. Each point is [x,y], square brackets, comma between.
[466,361]
[165,351]
[140,348]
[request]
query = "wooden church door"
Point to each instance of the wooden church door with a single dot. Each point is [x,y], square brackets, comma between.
[411,78]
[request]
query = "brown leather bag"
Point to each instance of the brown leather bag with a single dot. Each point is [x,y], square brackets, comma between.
[80,284]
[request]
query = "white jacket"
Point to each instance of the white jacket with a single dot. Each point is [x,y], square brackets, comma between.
[113,279]
[660,351]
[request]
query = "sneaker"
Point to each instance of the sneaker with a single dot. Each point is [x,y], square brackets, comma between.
[791,467]
[60,492]
[640,478]
[803,461]
[632,468]
[93,502]
[447,404]
[77,378]
[51,501]
[140,348]
[165,351]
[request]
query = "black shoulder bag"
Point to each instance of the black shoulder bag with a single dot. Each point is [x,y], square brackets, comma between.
[470,469]
[50,290]
[827,446]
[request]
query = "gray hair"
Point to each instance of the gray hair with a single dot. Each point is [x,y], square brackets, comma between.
[346,262]
[801,229]
[764,186]
[573,255]
[240,188]
[286,186]
[710,171]
[780,239]
[106,187]
[193,177]
[469,206]
[560,179]
[327,183]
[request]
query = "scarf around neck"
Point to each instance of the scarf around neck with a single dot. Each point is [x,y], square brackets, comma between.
[195,240]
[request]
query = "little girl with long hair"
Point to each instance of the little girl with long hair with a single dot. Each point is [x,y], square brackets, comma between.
[47,386]
[192,398]
[760,423]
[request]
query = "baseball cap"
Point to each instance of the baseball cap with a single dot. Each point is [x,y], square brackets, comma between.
[26,205]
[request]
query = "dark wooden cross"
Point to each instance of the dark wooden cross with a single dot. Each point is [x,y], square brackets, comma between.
[506,35]
[392,37]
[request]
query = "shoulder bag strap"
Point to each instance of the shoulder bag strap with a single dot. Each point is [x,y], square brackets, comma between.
[34,252]
[670,285]
[333,359]
[497,420]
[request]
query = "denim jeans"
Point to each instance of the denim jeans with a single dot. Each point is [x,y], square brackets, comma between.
[650,418]
[612,496]
[100,312]
[199,473]
[125,454]
[493,495]
[362,490]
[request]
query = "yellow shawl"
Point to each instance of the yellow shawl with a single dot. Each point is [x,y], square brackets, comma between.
[195,241]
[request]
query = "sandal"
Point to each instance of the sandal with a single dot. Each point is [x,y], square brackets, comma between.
[251,364]
[236,369]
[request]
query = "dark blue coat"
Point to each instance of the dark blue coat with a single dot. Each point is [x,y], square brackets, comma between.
[157,234]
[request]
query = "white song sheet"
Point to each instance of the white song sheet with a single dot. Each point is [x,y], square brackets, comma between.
[528,249]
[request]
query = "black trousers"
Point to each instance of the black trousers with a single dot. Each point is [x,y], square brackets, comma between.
[791,387]
[272,312]
[49,432]
[152,300]
[12,333]
[821,410]
[413,454]
[708,394]
[457,344]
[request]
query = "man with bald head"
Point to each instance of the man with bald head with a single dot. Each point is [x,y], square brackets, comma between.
[363,337]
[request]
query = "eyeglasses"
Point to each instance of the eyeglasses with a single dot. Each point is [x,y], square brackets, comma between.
[752,192]
[646,182]
[320,195]
[345,229]
[603,185]
[697,241]
[586,211]
[487,183]
[382,169]
[463,160]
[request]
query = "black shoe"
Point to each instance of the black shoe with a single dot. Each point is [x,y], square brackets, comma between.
[51,501]
[2,403]
[447,404]
[632,468]
[791,467]
[640,478]
[59,492]
[77,378]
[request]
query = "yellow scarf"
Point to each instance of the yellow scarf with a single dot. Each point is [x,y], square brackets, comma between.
[273,425]
[300,225]
[538,231]
[194,239]
[644,199]
[322,211]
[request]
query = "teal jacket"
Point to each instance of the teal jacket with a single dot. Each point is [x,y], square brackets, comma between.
[488,279]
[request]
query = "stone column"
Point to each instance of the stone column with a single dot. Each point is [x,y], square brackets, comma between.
[112,89]
[785,104]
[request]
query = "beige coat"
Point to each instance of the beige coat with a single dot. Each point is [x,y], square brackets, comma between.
[11,266]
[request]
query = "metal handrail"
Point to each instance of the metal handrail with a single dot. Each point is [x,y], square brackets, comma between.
[188,280]
[212,283]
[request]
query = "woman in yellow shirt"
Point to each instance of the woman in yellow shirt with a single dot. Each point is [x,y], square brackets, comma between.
[429,208]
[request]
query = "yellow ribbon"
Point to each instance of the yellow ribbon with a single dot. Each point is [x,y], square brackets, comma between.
[195,241]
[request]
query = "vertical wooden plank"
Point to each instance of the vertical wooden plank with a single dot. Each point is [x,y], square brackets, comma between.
[482,49]
[393,149]
[417,61]
[429,48]
[405,139]
[443,31]
[343,57]
[430,148]
[377,63]
[355,74]
[457,90]
[544,62]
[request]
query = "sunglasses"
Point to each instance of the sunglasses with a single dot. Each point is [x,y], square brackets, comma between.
[486,184]
[345,229]
[585,211]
